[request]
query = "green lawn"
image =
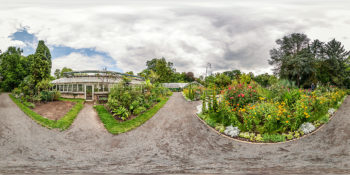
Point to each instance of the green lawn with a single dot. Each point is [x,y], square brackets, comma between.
[115,127]
[62,123]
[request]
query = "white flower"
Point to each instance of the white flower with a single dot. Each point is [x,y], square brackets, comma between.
[199,109]
[232,131]
[307,127]
[331,111]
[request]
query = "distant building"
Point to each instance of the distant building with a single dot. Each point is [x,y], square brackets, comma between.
[179,86]
[90,84]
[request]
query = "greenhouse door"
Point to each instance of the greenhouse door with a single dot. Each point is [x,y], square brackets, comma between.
[88,92]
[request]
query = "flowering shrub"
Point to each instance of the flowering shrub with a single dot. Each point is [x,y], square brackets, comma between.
[266,117]
[275,114]
[241,94]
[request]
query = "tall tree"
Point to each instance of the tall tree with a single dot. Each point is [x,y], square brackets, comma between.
[64,70]
[57,73]
[190,76]
[165,70]
[43,52]
[130,73]
[39,68]
[234,74]
[13,68]
[334,63]
[291,57]
[222,80]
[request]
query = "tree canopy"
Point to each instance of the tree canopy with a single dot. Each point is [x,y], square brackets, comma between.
[13,68]
[162,71]
[305,62]
[17,70]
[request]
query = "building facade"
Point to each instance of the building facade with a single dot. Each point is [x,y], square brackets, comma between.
[91,84]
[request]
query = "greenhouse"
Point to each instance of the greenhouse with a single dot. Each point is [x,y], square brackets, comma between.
[179,86]
[91,84]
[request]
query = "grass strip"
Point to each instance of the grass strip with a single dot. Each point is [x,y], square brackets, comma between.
[62,124]
[115,127]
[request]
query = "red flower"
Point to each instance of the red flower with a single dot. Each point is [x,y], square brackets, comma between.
[242,95]
[239,95]
[229,88]
[249,87]
[254,90]
[231,98]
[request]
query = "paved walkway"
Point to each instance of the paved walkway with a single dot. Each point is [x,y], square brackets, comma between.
[173,141]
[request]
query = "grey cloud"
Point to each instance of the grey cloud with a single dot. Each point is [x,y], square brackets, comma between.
[228,34]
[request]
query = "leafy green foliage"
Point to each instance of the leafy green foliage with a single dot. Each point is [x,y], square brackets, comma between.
[13,68]
[222,80]
[124,100]
[273,138]
[29,105]
[121,112]
[265,80]
[139,110]
[115,127]
[159,70]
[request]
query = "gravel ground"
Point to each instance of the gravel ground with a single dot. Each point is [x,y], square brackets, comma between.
[173,141]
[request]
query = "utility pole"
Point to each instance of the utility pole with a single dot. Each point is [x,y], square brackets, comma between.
[208,70]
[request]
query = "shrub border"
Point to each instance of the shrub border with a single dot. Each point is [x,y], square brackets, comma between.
[64,123]
[269,143]
[128,125]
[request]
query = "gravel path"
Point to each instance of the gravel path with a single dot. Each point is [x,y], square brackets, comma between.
[173,141]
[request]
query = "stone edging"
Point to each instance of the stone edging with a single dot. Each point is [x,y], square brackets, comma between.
[262,143]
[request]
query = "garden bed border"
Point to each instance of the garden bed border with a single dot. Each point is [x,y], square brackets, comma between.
[145,116]
[52,124]
[268,143]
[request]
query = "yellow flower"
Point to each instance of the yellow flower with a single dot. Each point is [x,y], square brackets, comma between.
[287,121]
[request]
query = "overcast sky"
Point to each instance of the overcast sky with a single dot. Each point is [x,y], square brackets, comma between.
[122,35]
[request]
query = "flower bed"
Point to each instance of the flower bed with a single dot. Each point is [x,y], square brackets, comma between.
[126,102]
[193,92]
[62,124]
[116,127]
[277,114]
[130,106]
